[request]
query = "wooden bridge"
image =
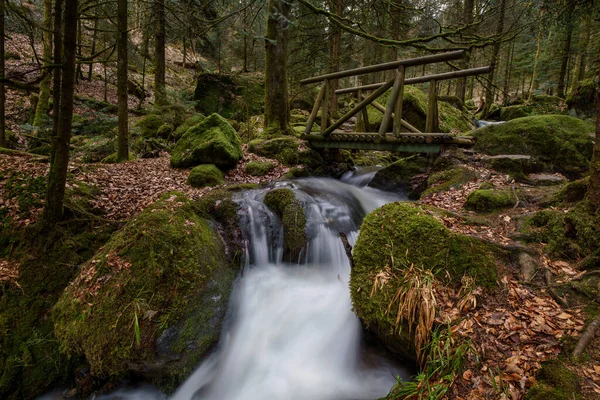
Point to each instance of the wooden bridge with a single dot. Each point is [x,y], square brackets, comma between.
[330,137]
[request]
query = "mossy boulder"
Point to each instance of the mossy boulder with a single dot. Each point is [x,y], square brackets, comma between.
[152,300]
[581,101]
[407,175]
[148,147]
[488,200]
[414,111]
[187,124]
[283,202]
[562,143]
[259,168]
[539,105]
[205,175]
[287,150]
[213,141]
[113,158]
[150,124]
[444,180]
[398,235]
[516,165]
[555,382]
[97,148]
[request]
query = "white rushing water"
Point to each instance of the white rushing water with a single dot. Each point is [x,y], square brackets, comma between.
[291,333]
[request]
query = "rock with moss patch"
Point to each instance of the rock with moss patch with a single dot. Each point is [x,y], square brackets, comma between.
[561,142]
[283,202]
[259,168]
[573,192]
[408,175]
[150,124]
[396,236]
[205,175]
[160,287]
[488,200]
[555,382]
[581,101]
[187,124]
[113,158]
[213,141]
[448,179]
[287,150]
[97,148]
[516,165]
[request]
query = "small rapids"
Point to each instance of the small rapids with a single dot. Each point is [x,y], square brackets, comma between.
[290,332]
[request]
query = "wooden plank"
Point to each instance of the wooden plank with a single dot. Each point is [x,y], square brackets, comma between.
[315,110]
[364,113]
[405,124]
[431,121]
[387,115]
[411,62]
[398,110]
[422,79]
[325,107]
[394,147]
[358,107]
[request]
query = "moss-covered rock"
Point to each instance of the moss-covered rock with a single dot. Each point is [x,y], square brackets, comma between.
[563,143]
[555,382]
[164,131]
[488,200]
[516,165]
[403,175]
[259,168]
[448,179]
[398,235]
[582,99]
[150,124]
[113,158]
[539,105]
[573,192]
[414,111]
[287,150]
[213,141]
[152,299]
[187,124]
[97,148]
[283,202]
[205,175]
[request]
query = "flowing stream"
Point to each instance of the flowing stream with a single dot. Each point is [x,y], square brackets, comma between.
[290,332]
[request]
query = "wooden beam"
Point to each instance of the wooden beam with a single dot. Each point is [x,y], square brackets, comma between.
[364,114]
[325,107]
[411,62]
[405,124]
[398,111]
[422,79]
[315,110]
[391,104]
[432,115]
[359,107]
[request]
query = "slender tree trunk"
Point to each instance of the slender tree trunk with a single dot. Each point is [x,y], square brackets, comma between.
[334,57]
[79,72]
[489,96]
[160,91]
[43,104]
[277,113]
[538,54]
[184,53]
[2,87]
[461,83]
[94,39]
[58,70]
[506,89]
[593,193]
[57,177]
[584,40]
[123,136]
[566,52]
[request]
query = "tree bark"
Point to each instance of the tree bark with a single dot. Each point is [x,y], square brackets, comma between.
[593,193]
[57,177]
[584,40]
[277,113]
[566,51]
[538,53]
[122,111]
[334,58]
[489,93]
[160,91]
[2,87]
[461,83]
[58,71]
[43,104]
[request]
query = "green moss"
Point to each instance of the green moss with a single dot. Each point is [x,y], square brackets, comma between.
[517,166]
[150,276]
[205,175]
[187,124]
[259,168]
[449,179]
[213,141]
[398,176]
[283,203]
[560,141]
[150,124]
[398,235]
[219,205]
[487,200]
[96,148]
[582,100]
[555,382]
[164,131]
[287,150]
[573,192]
[112,159]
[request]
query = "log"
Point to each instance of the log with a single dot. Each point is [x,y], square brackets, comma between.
[325,107]
[396,90]
[315,110]
[400,99]
[405,124]
[431,121]
[18,153]
[411,62]
[347,248]
[586,337]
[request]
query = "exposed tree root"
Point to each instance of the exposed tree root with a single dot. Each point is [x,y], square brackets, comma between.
[586,337]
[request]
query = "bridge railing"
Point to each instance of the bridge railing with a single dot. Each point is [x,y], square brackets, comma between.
[393,109]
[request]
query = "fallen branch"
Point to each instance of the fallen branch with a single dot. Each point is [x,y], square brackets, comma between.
[586,337]
[348,248]
[18,153]
[553,292]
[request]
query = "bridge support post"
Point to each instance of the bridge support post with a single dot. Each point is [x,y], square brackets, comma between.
[431,123]
[363,117]
[401,74]
[325,107]
[397,89]
[315,111]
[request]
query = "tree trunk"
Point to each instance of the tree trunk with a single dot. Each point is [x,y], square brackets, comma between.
[489,93]
[538,53]
[461,83]
[584,40]
[566,51]
[277,113]
[160,91]
[334,58]
[43,104]
[593,193]
[123,136]
[94,39]
[58,71]
[2,87]
[506,89]
[57,177]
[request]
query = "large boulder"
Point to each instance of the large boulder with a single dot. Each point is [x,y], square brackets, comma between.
[205,175]
[283,202]
[396,236]
[562,143]
[153,299]
[407,175]
[212,141]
